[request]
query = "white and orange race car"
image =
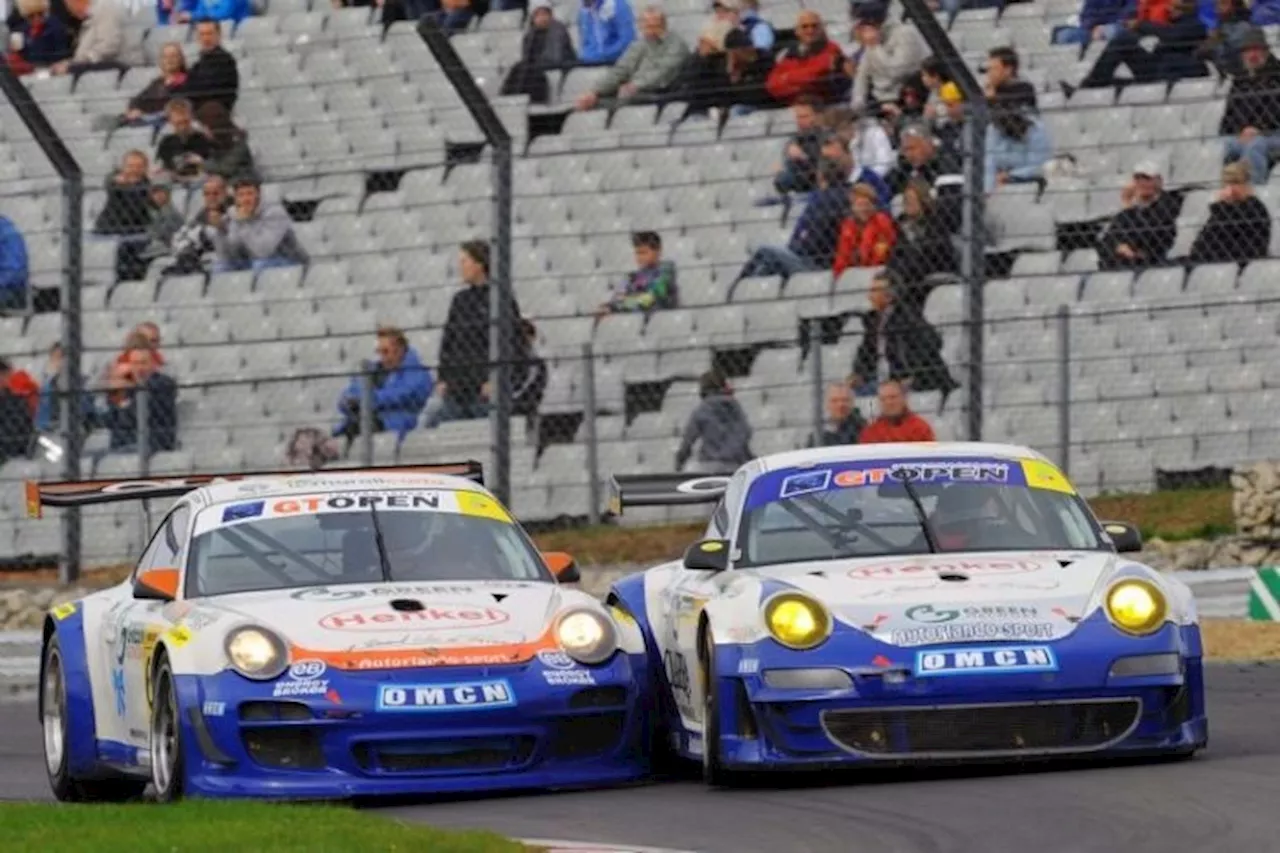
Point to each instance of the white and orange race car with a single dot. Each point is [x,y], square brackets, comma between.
[337,634]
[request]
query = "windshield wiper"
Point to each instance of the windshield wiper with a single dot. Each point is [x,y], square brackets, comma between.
[383,561]
[924,516]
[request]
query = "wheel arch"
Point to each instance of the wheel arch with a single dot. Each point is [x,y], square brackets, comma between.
[66,623]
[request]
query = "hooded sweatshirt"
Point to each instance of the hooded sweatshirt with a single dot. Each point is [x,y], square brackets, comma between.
[722,425]
[605,29]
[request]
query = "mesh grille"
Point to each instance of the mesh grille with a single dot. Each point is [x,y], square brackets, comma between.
[444,755]
[1030,728]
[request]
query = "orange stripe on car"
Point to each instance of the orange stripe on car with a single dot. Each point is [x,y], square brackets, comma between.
[493,655]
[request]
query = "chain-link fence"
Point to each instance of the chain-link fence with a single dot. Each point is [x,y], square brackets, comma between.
[724,260]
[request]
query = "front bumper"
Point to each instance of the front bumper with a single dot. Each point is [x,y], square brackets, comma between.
[337,740]
[894,715]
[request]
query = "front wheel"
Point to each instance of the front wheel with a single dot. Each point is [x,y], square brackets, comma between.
[713,771]
[167,773]
[55,726]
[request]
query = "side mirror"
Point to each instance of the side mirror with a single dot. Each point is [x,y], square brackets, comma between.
[1124,536]
[562,566]
[157,585]
[709,555]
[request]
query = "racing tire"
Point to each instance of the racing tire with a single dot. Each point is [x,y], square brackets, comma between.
[168,774]
[55,727]
[713,770]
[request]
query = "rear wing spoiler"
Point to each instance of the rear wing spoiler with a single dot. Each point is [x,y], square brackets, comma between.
[630,490]
[71,493]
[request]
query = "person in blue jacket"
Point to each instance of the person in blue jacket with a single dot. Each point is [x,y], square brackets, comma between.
[813,242]
[402,384]
[186,11]
[605,29]
[13,267]
[1099,20]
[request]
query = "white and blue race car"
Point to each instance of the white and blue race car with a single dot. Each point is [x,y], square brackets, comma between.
[901,603]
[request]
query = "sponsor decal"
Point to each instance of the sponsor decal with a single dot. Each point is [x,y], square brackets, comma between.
[562,670]
[965,633]
[931,615]
[304,679]
[180,635]
[240,512]
[214,709]
[556,659]
[748,666]
[62,611]
[805,483]
[117,687]
[318,503]
[677,671]
[899,569]
[307,670]
[458,696]
[250,489]
[969,661]
[411,660]
[430,618]
[326,593]
[693,745]
[699,485]
[1043,475]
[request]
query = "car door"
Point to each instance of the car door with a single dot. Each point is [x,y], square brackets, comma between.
[132,629]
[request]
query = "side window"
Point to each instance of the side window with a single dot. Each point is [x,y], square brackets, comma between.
[719,525]
[165,546]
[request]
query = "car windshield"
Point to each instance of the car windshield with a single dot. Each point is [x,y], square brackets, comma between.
[358,537]
[912,506]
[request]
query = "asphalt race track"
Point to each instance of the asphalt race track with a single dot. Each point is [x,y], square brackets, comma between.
[1225,799]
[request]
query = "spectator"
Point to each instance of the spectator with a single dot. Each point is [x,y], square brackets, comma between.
[946,119]
[867,235]
[846,423]
[229,149]
[891,52]
[453,16]
[164,221]
[651,286]
[1251,121]
[1018,144]
[196,239]
[103,43]
[147,107]
[798,171]
[19,398]
[1099,20]
[898,345]
[1239,226]
[647,69]
[402,385]
[1174,57]
[52,392]
[186,11]
[184,152]
[739,79]
[1265,13]
[39,39]
[127,210]
[813,241]
[546,45]
[870,151]
[140,371]
[463,389]
[526,395]
[761,32]
[214,76]
[606,28]
[814,66]
[924,245]
[920,158]
[1141,234]
[896,422]
[719,424]
[933,76]
[14,269]
[1003,86]
[702,77]
[1226,36]
[254,234]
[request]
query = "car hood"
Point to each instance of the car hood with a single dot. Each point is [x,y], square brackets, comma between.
[932,598]
[499,616]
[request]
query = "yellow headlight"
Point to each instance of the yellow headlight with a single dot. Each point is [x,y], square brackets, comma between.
[797,621]
[1136,606]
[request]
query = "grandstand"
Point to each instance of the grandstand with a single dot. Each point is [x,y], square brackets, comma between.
[357,130]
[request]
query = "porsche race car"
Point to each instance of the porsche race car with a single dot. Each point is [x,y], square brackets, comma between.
[331,635]
[902,603]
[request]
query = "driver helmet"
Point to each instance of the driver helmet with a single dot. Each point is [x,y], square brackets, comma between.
[962,515]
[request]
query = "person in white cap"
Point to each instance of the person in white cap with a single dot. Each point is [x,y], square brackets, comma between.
[1142,234]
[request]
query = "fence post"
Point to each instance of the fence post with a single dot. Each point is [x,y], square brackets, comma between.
[815,373]
[593,446]
[142,423]
[366,414]
[1064,388]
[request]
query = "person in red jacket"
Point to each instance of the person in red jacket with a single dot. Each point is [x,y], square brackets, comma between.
[867,235]
[815,67]
[896,422]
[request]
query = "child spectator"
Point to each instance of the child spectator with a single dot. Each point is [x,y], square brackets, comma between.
[14,270]
[253,234]
[719,424]
[402,384]
[652,285]
[867,234]
[606,29]
[896,422]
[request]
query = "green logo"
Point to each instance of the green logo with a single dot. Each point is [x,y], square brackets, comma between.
[927,614]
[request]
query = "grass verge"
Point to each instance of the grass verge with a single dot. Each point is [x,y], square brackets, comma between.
[217,827]
[1237,639]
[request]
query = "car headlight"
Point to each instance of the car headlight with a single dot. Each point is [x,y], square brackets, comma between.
[586,636]
[797,621]
[256,653]
[1136,606]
